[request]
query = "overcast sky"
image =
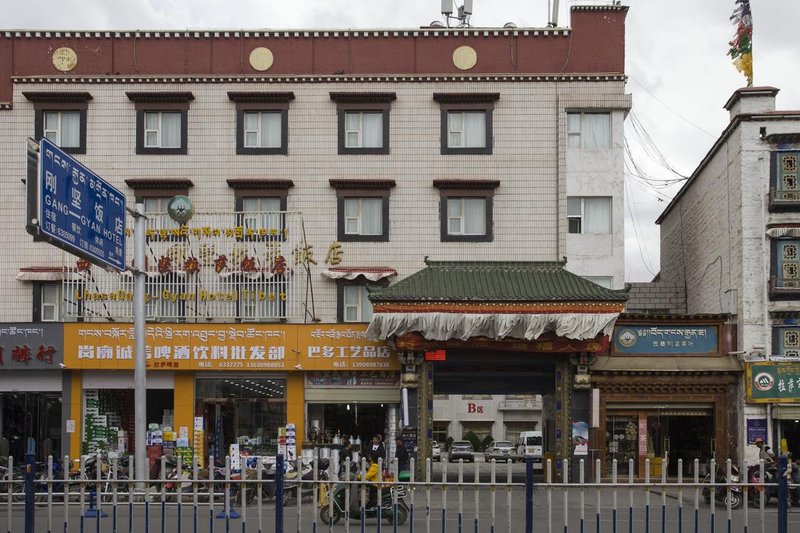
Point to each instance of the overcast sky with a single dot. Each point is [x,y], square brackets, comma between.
[678,72]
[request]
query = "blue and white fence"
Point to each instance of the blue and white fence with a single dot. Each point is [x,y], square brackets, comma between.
[97,495]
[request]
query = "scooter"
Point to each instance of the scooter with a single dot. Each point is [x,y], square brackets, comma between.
[388,512]
[721,490]
[769,487]
[291,480]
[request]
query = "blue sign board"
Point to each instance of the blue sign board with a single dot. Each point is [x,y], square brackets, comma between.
[78,210]
[647,339]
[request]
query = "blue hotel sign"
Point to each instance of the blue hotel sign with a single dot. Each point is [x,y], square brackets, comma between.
[78,210]
[647,339]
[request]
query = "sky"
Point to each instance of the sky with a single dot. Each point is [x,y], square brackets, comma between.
[678,71]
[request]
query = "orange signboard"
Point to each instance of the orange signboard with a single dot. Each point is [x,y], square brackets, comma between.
[236,347]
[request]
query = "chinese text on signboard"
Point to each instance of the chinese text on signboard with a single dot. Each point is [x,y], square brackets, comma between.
[660,339]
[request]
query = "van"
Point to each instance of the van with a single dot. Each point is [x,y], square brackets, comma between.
[531,444]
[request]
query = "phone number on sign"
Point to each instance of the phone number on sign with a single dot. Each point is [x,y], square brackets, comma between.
[369,364]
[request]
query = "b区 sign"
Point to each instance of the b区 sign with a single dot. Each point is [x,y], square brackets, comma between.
[647,339]
[237,347]
[773,382]
[31,346]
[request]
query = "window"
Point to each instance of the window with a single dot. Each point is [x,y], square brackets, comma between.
[786,341]
[261,206]
[466,122]
[589,131]
[61,118]
[466,129]
[363,122]
[784,190]
[589,214]
[788,276]
[264,213]
[161,122]
[156,210]
[363,216]
[162,129]
[466,209]
[262,300]
[466,216]
[50,302]
[262,122]
[363,209]
[356,305]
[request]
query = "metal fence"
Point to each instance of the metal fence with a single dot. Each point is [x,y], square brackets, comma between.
[97,494]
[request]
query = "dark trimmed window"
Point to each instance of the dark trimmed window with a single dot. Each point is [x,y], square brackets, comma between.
[261,203]
[353,303]
[786,340]
[784,194]
[466,123]
[466,209]
[156,194]
[262,122]
[363,122]
[61,118]
[161,122]
[785,269]
[50,304]
[362,209]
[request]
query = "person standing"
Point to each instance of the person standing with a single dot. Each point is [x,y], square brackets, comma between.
[401,455]
[764,453]
[377,450]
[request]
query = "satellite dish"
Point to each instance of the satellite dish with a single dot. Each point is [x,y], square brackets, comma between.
[509,25]
[436,24]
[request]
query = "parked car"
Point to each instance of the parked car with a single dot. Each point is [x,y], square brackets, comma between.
[436,454]
[501,450]
[461,449]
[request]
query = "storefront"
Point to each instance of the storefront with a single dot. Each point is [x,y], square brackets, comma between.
[210,386]
[31,406]
[666,391]
[776,384]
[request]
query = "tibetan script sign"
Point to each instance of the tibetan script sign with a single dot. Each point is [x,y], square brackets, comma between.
[647,339]
[31,346]
[773,382]
[238,347]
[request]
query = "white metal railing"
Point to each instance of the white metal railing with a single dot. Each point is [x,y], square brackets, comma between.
[313,496]
[232,266]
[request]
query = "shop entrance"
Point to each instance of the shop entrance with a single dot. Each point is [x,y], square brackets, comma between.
[790,435]
[30,416]
[356,420]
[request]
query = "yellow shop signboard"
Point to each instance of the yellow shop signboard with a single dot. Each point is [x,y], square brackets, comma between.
[237,347]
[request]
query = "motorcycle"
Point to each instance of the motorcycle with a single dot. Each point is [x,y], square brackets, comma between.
[291,480]
[722,491]
[769,486]
[397,515]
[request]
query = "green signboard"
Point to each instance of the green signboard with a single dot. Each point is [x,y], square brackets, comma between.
[773,382]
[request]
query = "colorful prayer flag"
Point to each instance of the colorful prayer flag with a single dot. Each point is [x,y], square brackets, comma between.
[741,47]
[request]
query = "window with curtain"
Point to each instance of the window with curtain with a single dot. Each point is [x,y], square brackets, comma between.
[262,129]
[63,128]
[356,306]
[466,216]
[363,129]
[589,131]
[162,129]
[589,214]
[786,341]
[466,129]
[263,212]
[363,216]
[156,210]
[51,302]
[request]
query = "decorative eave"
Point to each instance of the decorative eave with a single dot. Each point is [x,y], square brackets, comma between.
[750,91]
[256,183]
[264,97]
[160,97]
[473,185]
[362,97]
[362,184]
[782,138]
[466,98]
[159,183]
[60,96]
[607,7]
[44,273]
[351,273]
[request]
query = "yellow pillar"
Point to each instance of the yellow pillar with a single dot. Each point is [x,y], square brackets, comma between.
[76,412]
[295,405]
[183,401]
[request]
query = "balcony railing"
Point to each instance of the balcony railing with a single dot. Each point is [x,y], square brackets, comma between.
[219,267]
[514,404]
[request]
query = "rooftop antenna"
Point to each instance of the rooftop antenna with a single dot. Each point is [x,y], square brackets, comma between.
[553,15]
[463,13]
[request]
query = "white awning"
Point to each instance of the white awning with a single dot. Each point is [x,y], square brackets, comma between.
[777,233]
[462,326]
[350,273]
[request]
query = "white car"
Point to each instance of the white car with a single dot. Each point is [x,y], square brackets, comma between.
[436,453]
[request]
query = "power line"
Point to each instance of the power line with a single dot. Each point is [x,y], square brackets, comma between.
[668,108]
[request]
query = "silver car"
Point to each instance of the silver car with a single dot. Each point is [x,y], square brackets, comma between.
[436,451]
[501,450]
[461,449]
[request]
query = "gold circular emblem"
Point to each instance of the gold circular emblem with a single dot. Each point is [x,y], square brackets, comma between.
[65,59]
[465,57]
[261,59]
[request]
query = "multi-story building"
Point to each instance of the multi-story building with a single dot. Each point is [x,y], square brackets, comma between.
[319,163]
[729,239]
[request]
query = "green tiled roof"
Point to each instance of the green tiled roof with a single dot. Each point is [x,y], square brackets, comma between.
[490,281]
